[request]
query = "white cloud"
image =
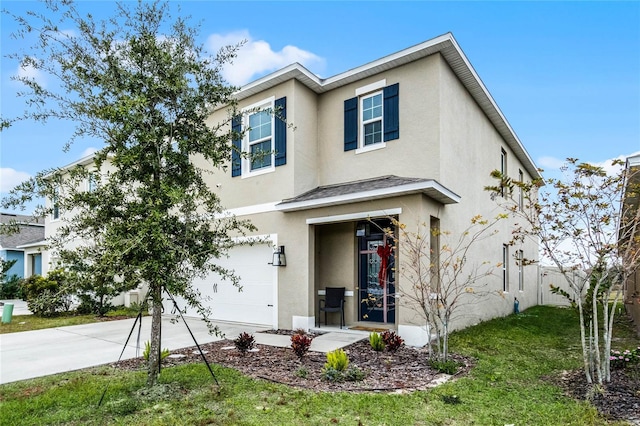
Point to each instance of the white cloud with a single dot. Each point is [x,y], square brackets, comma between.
[256,57]
[9,178]
[551,163]
[31,73]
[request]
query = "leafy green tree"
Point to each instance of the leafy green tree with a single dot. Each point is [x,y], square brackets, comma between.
[590,234]
[141,83]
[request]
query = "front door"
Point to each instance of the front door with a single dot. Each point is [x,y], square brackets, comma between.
[376,275]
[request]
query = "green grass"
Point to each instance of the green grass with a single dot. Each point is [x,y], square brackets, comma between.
[31,322]
[508,386]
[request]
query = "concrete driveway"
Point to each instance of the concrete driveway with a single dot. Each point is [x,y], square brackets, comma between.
[38,353]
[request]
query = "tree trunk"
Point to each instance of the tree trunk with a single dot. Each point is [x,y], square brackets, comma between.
[583,340]
[154,350]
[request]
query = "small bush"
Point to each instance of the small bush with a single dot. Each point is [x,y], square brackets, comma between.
[11,288]
[332,375]
[302,372]
[147,350]
[354,374]
[47,296]
[392,341]
[338,360]
[448,366]
[244,342]
[300,344]
[625,359]
[376,342]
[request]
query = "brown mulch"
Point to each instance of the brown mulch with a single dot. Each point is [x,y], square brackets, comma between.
[617,400]
[404,370]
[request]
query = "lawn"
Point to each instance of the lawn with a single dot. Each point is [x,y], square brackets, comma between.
[31,322]
[515,355]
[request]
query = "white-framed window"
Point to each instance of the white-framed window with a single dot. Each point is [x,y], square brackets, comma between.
[520,191]
[258,120]
[371,119]
[505,268]
[520,258]
[55,204]
[503,166]
[91,183]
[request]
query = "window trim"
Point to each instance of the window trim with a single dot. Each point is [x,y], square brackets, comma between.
[520,190]
[267,104]
[520,257]
[505,268]
[503,167]
[55,205]
[362,93]
[362,122]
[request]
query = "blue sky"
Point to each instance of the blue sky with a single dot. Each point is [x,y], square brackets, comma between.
[566,75]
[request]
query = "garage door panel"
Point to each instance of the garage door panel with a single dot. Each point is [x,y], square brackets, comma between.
[254,304]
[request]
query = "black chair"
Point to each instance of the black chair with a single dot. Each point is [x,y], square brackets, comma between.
[333,302]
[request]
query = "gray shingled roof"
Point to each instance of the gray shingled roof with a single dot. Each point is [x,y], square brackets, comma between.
[353,187]
[368,189]
[31,230]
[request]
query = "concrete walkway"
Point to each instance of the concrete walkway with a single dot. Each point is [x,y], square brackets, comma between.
[39,353]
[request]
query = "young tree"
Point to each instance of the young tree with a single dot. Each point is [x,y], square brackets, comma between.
[141,83]
[439,277]
[578,222]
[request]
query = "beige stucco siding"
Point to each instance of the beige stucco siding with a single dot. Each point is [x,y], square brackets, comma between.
[414,154]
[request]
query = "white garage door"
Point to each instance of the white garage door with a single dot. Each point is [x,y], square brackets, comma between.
[255,303]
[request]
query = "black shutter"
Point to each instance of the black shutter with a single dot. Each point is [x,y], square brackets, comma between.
[391,113]
[351,124]
[236,164]
[280,131]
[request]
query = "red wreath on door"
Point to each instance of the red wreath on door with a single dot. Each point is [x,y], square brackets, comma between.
[384,252]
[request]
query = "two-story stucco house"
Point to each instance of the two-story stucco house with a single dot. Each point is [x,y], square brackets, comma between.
[413,136]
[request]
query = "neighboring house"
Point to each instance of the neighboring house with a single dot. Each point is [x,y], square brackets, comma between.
[631,198]
[413,136]
[24,246]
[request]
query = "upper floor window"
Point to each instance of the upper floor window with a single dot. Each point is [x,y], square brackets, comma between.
[55,201]
[372,117]
[503,166]
[265,138]
[259,140]
[520,190]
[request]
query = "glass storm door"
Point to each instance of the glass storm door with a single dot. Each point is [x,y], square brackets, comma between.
[376,278]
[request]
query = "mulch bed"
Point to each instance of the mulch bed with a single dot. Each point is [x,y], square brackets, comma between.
[616,400]
[405,370]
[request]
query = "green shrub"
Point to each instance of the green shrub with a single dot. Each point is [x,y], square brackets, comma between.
[448,366]
[244,342]
[625,359]
[302,372]
[47,296]
[147,350]
[11,288]
[338,360]
[354,374]
[376,342]
[332,375]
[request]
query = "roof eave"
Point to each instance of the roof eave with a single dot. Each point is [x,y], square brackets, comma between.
[430,188]
[445,45]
